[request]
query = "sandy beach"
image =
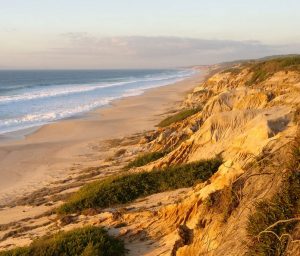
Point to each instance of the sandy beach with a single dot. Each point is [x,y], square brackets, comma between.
[53,151]
[136,128]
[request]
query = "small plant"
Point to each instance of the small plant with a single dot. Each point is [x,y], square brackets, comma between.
[269,227]
[258,76]
[183,114]
[125,189]
[146,159]
[81,241]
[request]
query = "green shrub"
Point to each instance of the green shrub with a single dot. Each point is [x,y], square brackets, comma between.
[290,62]
[263,70]
[124,189]
[81,241]
[183,114]
[258,76]
[283,206]
[233,71]
[145,159]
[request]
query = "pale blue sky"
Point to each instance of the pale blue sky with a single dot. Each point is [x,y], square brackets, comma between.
[49,34]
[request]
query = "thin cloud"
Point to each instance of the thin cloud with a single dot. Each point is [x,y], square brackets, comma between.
[136,51]
[154,46]
[83,50]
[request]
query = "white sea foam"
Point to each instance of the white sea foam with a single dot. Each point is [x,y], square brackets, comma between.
[34,119]
[42,105]
[55,91]
[61,90]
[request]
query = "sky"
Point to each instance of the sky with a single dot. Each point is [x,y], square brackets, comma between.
[96,34]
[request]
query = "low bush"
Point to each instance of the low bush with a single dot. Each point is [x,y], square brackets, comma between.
[283,207]
[82,241]
[233,71]
[263,70]
[183,114]
[145,159]
[124,189]
[290,62]
[258,76]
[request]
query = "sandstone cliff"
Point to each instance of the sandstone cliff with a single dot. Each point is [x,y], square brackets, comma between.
[248,115]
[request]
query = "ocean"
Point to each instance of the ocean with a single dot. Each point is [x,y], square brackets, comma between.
[33,98]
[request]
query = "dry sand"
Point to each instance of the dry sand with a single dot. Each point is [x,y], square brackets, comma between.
[52,151]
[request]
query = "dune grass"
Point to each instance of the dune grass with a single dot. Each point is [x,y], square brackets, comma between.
[283,206]
[263,70]
[125,189]
[232,71]
[146,158]
[183,114]
[86,241]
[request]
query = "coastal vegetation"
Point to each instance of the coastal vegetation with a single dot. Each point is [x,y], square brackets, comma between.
[145,159]
[232,71]
[271,224]
[126,188]
[263,70]
[183,114]
[86,241]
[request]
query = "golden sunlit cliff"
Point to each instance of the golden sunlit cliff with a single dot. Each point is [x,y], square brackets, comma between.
[247,115]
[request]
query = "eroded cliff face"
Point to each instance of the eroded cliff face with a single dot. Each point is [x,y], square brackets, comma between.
[243,124]
[249,123]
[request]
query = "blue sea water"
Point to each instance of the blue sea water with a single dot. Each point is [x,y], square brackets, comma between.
[33,98]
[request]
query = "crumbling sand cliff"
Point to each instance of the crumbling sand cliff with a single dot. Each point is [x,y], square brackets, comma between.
[251,123]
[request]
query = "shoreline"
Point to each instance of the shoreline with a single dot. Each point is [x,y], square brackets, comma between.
[22,133]
[49,153]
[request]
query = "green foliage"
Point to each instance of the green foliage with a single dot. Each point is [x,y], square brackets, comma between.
[258,76]
[178,117]
[82,241]
[263,70]
[290,62]
[90,250]
[283,206]
[124,189]
[145,159]
[233,71]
